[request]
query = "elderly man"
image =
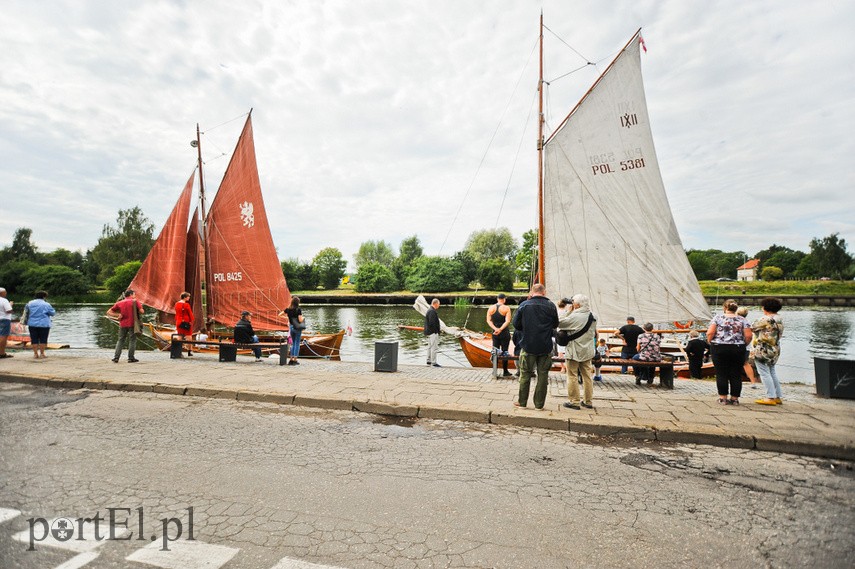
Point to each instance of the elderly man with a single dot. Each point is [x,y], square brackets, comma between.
[5,322]
[582,327]
[536,319]
[432,330]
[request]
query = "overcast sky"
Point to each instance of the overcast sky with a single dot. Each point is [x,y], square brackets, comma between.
[385,119]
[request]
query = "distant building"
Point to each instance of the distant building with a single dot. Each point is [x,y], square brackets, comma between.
[748,271]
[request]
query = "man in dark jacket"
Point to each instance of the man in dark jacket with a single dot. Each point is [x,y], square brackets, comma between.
[432,330]
[537,319]
[244,334]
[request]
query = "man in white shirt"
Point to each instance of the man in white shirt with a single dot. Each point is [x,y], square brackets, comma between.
[5,322]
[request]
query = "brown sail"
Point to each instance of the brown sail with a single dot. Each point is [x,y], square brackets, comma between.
[160,280]
[243,270]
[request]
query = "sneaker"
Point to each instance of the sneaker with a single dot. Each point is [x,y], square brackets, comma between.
[569,405]
[132,360]
[586,405]
[257,359]
[598,378]
[733,402]
[638,381]
[507,374]
[436,365]
[428,363]
[115,360]
[296,363]
[189,353]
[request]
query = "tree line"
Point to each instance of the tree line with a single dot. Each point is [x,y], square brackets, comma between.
[491,259]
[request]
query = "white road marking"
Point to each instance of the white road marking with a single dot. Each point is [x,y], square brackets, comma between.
[79,560]
[289,563]
[7,514]
[75,544]
[184,554]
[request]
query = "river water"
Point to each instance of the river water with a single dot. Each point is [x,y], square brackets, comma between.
[814,332]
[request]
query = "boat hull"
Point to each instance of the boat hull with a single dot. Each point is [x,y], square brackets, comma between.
[313,345]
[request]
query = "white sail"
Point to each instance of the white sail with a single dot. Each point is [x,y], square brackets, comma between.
[608,228]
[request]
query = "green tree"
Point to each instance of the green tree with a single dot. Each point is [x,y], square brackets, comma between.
[468,265]
[700,264]
[130,240]
[56,280]
[410,250]
[829,256]
[492,244]
[374,277]
[22,247]
[435,274]
[497,274]
[771,273]
[374,252]
[299,275]
[122,277]
[526,259]
[718,263]
[66,258]
[329,266]
[788,261]
[806,269]
[12,274]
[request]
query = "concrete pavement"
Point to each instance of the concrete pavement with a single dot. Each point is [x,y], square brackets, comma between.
[804,425]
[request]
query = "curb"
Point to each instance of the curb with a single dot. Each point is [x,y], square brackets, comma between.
[537,420]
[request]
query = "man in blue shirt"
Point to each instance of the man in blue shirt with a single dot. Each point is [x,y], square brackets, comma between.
[537,319]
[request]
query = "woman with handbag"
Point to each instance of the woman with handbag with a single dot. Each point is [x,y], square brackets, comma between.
[296,325]
[184,319]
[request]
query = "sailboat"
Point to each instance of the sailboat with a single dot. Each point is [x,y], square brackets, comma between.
[605,225]
[229,253]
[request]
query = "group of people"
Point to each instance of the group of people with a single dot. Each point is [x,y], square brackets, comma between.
[37,316]
[730,341]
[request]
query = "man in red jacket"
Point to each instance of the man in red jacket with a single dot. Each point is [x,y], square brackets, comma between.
[127,312]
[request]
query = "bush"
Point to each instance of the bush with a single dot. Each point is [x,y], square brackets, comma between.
[122,277]
[435,274]
[771,273]
[497,274]
[374,277]
[57,280]
[329,267]
[12,274]
[299,275]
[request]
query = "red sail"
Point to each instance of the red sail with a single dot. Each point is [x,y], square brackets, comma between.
[242,265]
[160,280]
[192,274]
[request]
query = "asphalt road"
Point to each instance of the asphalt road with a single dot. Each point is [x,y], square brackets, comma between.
[284,487]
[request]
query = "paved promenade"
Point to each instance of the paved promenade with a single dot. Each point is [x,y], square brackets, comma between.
[804,425]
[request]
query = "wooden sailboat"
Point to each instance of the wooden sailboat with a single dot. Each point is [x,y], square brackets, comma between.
[229,254]
[605,225]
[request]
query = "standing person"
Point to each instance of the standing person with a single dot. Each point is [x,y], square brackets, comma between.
[648,350]
[601,353]
[536,319]
[432,330]
[296,325]
[39,323]
[747,369]
[128,312]
[184,320]
[768,330]
[565,307]
[244,334]
[696,350]
[728,333]
[629,333]
[5,322]
[499,319]
[579,352]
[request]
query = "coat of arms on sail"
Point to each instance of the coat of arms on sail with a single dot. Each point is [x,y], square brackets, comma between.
[246,214]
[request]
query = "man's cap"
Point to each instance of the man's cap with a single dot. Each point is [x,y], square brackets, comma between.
[246,313]
[501,295]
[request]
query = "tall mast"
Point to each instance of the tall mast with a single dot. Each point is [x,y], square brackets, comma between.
[203,237]
[540,247]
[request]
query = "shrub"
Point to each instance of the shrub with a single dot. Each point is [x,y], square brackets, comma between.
[122,277]
[435,274]
[771,273]
[497,274]
[58,280]
[374,277]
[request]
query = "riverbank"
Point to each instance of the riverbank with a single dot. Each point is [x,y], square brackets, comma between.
[804,425]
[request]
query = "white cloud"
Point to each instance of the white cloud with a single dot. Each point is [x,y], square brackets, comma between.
[372,118]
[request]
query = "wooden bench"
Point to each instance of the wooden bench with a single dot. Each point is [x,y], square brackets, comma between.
[666,367]
[227,350]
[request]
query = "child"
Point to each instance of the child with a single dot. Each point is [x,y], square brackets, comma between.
[696,349]
[601,354]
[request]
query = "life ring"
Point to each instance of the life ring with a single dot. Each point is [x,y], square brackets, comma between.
[685,326]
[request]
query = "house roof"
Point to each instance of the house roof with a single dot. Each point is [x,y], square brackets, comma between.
[752,264]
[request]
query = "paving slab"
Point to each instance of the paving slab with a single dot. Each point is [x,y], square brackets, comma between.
[806,424]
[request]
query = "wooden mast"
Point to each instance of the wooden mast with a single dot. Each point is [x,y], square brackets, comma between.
[540,247]
[203,237]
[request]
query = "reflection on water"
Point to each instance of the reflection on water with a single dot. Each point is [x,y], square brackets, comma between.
[824,332]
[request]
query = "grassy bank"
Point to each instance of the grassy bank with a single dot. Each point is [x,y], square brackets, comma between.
[778,288]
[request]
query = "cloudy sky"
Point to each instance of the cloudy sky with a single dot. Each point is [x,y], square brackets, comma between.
[384,119]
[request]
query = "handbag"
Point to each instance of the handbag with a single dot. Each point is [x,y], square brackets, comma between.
[563,337]
[297,325]
[25,316]
[184,326]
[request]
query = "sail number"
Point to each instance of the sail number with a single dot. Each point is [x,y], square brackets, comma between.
[624,166]
[223,277]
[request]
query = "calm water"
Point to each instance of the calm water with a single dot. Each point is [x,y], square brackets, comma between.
[809,332]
